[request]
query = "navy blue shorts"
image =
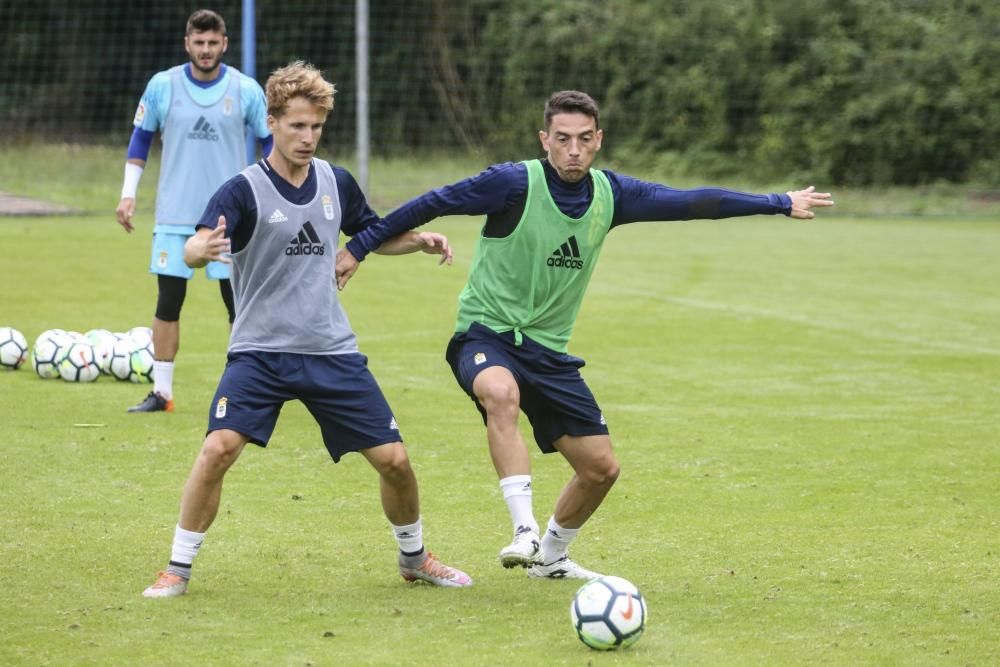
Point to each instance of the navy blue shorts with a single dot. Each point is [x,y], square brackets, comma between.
[554,396]
[337,389]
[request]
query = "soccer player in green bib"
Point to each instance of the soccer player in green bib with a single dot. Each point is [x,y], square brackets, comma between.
[546,221]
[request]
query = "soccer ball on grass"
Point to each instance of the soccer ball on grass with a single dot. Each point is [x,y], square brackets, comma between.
[141,335]
[79,364]
[49,349]
[608,613]
[120,363]
[104,344]
[141,363]
[13,348]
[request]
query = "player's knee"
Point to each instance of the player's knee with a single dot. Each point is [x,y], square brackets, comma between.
[219,452]
[499,396]
[393,463]
[603,470]
[170,299]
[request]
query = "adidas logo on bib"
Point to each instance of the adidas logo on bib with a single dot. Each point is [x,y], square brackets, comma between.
[567,255]
[277,216]
[203,131]
[306,242]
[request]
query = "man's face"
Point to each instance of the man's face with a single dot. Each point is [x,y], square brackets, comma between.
[297,131]
[206,49]
[571,142]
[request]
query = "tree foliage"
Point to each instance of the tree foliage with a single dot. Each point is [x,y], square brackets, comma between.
[838,91]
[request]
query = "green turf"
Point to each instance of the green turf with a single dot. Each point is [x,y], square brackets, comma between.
[806,416]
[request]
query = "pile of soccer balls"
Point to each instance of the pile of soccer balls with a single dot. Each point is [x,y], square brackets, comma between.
[77,357]
[608,613]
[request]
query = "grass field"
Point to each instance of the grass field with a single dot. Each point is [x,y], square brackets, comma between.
[806,417]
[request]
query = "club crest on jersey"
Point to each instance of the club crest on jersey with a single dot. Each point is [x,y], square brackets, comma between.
[140,113]
[227,106]
[162,261]
[328,207]
[480,358]
[220,407]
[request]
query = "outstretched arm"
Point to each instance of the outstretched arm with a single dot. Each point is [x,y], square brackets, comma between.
[431,243]
[637,201]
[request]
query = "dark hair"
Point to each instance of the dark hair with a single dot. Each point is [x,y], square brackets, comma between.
[571,101]
[205,20]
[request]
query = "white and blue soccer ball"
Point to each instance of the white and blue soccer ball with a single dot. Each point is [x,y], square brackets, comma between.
[104,345]
[141,335]
[13,348]
[608,613]
[48,351]
[79,364]
[120,363]
[141,363]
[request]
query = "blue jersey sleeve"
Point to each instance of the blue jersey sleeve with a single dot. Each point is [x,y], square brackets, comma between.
[254,106]
[152,110]
[491,192]
[638,201]
[356,214]
[139,144]
[235,201]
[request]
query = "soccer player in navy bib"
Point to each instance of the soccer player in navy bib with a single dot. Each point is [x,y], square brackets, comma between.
[546,221]
[203,110]
[280,221]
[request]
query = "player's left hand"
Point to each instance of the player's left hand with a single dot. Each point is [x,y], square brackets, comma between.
[435,244]
[804,200]
[344,267]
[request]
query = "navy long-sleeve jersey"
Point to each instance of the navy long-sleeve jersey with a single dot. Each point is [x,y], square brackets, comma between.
[500,192]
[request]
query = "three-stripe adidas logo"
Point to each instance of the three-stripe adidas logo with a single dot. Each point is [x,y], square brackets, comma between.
[276,217]
[203,131]
[306,242]
[567,255]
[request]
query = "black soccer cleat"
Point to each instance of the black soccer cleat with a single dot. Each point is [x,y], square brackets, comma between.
[154,403]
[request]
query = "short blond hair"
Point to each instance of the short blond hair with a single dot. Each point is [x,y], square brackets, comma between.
[298,79]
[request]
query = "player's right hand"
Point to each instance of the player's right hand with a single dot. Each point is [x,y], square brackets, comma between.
[217,246]
[124,213]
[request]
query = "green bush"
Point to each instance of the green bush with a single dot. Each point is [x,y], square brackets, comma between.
[872,92]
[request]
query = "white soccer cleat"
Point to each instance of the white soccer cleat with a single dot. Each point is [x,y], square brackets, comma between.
[525,550]
[435,572]
[167,586]
[562,568]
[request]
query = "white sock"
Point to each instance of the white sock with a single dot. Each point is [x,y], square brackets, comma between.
[163,378]
[186,545]
[410,537]
[555,542]
[517,494]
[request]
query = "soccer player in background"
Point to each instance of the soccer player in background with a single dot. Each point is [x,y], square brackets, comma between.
[546,221]
[202,110]
[281,219]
